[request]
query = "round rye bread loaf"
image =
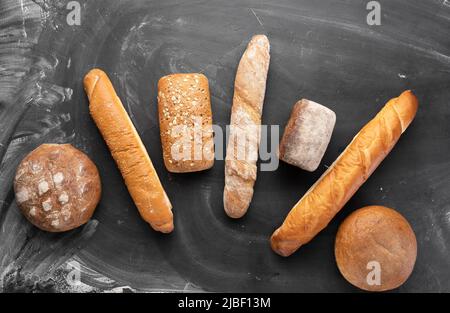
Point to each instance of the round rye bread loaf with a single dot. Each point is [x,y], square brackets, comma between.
[57,187]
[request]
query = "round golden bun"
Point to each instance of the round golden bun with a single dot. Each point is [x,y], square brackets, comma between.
[375,249]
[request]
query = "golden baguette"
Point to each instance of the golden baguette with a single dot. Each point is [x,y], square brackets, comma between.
[128,151]
[344,177]
[248,99]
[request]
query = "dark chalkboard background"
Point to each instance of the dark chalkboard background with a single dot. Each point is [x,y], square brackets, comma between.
[321,50]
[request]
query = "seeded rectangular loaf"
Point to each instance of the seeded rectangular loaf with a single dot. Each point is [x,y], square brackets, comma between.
[185,121]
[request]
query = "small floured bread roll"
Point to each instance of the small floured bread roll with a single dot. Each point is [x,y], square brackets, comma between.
[57,187]
[376,249]
[185,121]
[307,135]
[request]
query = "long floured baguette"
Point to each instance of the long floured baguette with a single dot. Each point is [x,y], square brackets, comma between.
[128,151]
[344,177]
[243,145]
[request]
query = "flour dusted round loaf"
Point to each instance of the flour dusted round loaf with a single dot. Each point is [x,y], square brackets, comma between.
[57,187]
[376,249]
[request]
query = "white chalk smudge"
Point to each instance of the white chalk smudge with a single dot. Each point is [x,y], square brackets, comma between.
[365,32]
[65,117]
[447,218]
[179,21]
[22,7]
[257,18]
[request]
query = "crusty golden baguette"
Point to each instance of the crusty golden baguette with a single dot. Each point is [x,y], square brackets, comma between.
[344,177]
[128,151]
[248,99]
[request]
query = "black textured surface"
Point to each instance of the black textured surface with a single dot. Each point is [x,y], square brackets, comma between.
[321,50]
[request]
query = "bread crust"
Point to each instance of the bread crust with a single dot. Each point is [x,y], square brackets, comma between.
[376,234]
[128,151]
[185,120]
[307,135]
[344,177]
[57,187]
[248,99]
